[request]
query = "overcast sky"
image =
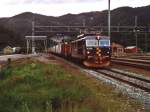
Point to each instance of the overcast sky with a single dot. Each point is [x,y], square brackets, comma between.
[60,7]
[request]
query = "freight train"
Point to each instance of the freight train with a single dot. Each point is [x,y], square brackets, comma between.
[91,49]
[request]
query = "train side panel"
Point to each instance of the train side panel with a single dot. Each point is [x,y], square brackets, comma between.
[56,49]
[66,49]
[78,49]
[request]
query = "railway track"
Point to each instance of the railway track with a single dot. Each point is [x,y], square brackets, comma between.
[142,57]
[135,85]
[135,80]
[143,64]
[132,80]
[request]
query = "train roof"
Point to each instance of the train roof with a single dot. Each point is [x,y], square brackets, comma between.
[87,34]
[96,37]
[90,36]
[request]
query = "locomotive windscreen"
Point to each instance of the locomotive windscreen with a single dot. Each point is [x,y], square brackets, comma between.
[93,42]
[104,42]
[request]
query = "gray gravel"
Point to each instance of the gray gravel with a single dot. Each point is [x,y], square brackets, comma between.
[132,92]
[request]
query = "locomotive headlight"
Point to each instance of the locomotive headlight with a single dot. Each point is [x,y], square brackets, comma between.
[108,52]
[88,52]
[98,37]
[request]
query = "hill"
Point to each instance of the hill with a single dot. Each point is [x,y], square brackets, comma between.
[20,24]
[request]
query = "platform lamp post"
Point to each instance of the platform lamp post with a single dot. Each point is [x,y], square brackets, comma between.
[109,22]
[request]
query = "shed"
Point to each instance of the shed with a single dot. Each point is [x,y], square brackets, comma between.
[117,49]
[131,49]
[8,50]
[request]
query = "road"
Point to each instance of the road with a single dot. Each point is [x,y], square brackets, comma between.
[4,58]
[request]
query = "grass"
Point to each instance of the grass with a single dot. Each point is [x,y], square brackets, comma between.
[32,86]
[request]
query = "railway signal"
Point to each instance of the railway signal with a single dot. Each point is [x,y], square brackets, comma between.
[109,22]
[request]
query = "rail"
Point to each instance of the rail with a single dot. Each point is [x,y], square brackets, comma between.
[135,81]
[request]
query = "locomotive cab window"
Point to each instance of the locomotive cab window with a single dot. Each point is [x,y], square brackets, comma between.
[104,42]
[91,43]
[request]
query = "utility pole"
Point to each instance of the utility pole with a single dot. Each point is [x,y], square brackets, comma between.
[118,27]
[109,22]
[33,40]
[146,43]
[136,40]
[83,22]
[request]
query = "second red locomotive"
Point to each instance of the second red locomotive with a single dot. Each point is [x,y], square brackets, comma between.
[92,49]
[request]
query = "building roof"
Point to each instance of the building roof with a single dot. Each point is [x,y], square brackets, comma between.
[116,45]
[130,47]
[36,37]
[8,47]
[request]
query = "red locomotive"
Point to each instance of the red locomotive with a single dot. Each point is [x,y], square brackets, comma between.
[92,49]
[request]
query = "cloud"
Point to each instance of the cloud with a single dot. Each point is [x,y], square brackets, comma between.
[59,7]
[58,1]
[12,2]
